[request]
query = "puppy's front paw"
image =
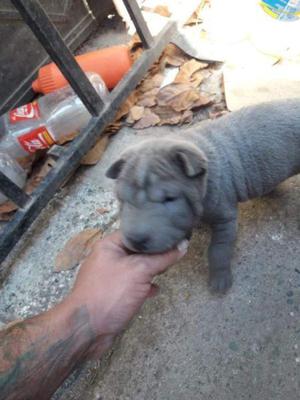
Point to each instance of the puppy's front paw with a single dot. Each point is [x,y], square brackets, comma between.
[220,282]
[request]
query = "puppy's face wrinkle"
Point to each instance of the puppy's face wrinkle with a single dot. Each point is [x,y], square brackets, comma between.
[160,205]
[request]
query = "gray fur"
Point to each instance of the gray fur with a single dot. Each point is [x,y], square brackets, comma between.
[240,156]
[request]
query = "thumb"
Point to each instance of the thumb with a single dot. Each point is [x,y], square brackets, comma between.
[158,263]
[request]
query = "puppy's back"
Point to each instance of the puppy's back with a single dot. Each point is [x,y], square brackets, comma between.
[257,147]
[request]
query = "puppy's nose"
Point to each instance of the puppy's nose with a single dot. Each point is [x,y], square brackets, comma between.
[139,242]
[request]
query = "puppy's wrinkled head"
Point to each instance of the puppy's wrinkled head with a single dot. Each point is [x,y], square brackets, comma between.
[161,184]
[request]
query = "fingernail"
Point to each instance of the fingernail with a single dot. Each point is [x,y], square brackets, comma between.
[183,246]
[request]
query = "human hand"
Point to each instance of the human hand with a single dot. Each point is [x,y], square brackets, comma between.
[113,284]
[110,288]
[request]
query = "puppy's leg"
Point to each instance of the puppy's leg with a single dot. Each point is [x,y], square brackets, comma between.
[220,254]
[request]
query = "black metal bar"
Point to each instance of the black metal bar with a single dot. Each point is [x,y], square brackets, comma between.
[80,146]
[139,22]
[12,191]
[37,20]
[23,93]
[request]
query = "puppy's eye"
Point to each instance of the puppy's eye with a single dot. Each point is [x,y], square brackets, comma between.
[170,199]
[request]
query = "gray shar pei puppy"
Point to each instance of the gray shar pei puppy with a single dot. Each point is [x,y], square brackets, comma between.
[165,186]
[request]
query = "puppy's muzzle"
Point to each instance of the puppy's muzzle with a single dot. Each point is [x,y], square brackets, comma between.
[138,242]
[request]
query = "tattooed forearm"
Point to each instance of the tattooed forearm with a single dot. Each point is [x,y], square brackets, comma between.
[38,354]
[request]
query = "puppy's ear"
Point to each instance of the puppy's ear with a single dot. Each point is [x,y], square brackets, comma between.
[114,170]
[191,160]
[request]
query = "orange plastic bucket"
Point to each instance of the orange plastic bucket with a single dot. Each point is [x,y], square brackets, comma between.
[110,63]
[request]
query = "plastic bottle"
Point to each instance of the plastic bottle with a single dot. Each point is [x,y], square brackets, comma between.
[111,64]
[40,124]
[11,168]
[276,28]
[282,10]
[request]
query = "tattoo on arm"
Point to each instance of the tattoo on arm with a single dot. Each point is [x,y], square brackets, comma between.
[35,357]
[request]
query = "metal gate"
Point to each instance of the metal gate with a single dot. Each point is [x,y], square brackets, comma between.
[22,55]
[102,112]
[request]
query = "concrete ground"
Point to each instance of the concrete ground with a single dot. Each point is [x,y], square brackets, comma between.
[186,343]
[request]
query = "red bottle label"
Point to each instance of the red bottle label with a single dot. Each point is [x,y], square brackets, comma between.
[38,139]
[24,113]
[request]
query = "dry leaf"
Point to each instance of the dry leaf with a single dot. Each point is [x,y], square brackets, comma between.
[136,54]
[150,83]
[76,249]
[7,207]
[147,101]
[170,117]
[36,177]
[206,73]
[195,17]
[149,93]
[173,56]
[217,114]
[193,20]
[27,161]
[203,100]
[186,117]
[111,129]
[148,119]
[178,96]
[175,119]
[5,217]
[185,74]
[174,62]
[173,51]
[156,68]
[162,10]
[135,47]
[67,138]
[197,78]
[167,115]
[95,154]
[39,174]
[218,110]
[126,106]
[102,210]
[134,42]
[135,114]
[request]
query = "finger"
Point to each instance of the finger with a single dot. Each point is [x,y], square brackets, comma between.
[158,263]
[114,237]
[112,242]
